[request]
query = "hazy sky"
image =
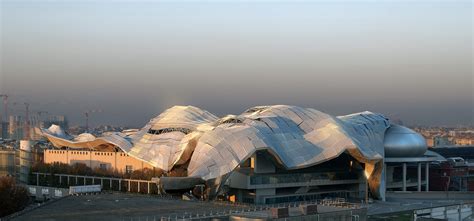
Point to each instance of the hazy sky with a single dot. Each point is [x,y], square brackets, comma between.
[410,60]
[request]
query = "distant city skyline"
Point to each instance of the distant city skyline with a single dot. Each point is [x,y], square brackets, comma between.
[409,60]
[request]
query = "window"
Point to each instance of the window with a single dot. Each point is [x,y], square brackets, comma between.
[103,166]
[128,169]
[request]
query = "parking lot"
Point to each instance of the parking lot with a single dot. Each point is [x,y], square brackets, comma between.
[118,206]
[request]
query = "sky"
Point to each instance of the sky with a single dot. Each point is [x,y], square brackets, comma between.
[410,60]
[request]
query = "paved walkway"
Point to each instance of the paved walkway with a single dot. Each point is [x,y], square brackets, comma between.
[379,207]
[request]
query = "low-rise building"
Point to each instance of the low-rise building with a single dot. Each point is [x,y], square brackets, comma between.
[106,160]
[17,158]
[7,161]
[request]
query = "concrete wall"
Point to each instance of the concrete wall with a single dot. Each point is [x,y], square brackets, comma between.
[436,195]
[238,180]
[261,193]
[93,159]
[43,192]
[263,164]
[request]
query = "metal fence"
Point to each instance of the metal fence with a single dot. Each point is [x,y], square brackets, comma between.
[107,183]
[452,212]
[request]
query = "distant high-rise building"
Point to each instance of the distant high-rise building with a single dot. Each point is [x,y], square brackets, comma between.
[36,122]
[59,120]
[15,127]
[4,130]
[439,141]
[16,158]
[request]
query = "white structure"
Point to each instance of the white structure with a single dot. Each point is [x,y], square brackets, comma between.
[211,148]
[25,160]
[84,189]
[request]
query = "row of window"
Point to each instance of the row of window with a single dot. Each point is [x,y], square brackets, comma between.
[168,130]
[103,154]
[71,152]
[57,151]
[85,153]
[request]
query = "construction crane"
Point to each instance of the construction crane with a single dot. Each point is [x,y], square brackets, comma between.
[5,106]
[39,113]
[87,113]
[27,121]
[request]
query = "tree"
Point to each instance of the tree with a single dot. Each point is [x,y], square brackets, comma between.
[13,198]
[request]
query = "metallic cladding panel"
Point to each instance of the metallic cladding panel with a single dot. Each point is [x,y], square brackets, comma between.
[297,137]
[403,142]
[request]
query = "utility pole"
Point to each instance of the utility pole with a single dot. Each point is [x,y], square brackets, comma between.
[27,121]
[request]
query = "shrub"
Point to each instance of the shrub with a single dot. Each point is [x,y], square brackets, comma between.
[13,198]
[83,169]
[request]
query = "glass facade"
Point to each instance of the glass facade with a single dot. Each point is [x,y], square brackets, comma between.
[300,177]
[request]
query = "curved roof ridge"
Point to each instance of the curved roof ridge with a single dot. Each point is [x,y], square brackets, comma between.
[298,137]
